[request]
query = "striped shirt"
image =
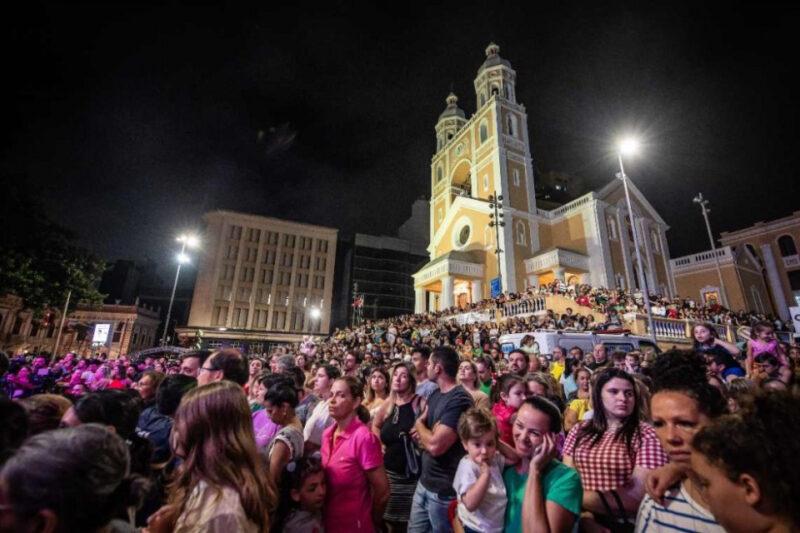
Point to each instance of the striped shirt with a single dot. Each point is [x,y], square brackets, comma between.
[681,513]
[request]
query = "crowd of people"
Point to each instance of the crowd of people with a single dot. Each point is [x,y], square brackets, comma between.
[412,424]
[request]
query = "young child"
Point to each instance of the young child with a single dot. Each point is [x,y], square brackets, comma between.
[511,392]
[302,496]
[478,482]
[763,341]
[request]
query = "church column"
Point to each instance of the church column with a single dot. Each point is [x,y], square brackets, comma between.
[477,290]
[652,280]
[419,299]
[432,302]
[774,279]
[626,250]
[447,292]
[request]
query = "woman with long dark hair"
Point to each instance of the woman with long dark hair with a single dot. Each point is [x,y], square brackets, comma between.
[614,451]
[221,483]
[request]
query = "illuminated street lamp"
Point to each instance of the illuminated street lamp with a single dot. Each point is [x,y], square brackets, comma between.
[187,241]
[703,203]
[630,146]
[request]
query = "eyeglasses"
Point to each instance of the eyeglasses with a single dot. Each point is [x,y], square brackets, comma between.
[208,369]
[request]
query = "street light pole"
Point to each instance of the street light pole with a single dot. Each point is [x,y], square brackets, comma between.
[704,208]
[186,241]
[496,221]
[61,325]
[642,276]
[172,296]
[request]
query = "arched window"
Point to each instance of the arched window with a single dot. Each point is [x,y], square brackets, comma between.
[484,132]
[516,177]
[505,91]
[512,125]
[495,90]
[521,239]
[483,99]
[439,174]
[787,246]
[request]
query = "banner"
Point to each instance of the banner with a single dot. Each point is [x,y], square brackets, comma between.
[101,333]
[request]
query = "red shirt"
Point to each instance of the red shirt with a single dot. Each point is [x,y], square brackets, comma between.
[504,413]
[607,465]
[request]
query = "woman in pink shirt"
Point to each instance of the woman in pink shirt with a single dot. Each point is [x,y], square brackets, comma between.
[357,487]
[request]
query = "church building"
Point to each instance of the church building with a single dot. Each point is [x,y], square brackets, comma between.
[487,157]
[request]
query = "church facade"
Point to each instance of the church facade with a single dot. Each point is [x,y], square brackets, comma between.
[485,161]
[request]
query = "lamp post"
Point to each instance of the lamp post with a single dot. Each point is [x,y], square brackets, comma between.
[315,316]
[187,241]
[628,147]
[496,222]
[704,208]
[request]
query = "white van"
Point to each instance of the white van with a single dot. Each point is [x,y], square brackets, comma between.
[546,340]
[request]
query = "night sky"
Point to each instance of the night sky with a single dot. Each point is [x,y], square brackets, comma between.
[133,121]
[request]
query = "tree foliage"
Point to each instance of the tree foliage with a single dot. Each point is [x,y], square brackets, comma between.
[40,260]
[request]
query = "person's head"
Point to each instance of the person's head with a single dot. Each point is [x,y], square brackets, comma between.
[256,366]
[346,395]
[583,378]
[225,364]
[576,353]
[618,360]
[511,390]
[44,412]
[284,363]
[477,430]
[538,385]
[558,354]
[171,392]
[148,384]
[280,402]
[73,479]
[443,364]
[350,362]
[377,383]
[14,428]
[769,364]
[484,367]
[468,373]
[300,361]
[419,358]
[615,395]
[324,378]
[518,362]
[704,333]
[764,331]
[404,378]
[305,483]
[599,353]
[535,418]
[682,403]
[632,362]
[213,435]
[747,465]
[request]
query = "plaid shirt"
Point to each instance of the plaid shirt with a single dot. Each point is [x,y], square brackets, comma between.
[607,465]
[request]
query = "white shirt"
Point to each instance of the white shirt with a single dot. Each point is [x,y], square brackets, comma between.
[317,422]
[681,513]
[490,514]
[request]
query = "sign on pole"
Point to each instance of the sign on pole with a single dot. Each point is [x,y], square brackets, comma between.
[496,286]
[101,333]
[795,314]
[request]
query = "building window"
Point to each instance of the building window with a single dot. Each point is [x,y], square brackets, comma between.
[521,239]
[463,235]
[483,99]
[512,125]
[288,241]
[656,242]
[240,317]
[516,177]
[787,246]
[219,316]
[484,131]
[233,252]
[612,229]
[223,292]
[235,233]
[486,182]
[439,174]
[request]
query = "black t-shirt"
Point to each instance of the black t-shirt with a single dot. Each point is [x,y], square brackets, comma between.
[400,420]
[438,472]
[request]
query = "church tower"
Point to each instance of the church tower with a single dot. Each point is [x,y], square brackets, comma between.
[489,154]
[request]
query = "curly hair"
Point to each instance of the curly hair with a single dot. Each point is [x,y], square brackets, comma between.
[760,440]
[685,372]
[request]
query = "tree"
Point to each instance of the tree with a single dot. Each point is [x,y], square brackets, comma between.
[39,260]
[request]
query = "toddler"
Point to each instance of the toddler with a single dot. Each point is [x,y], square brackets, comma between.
[478,482]
[763,341]
[512,392]
[302,496]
